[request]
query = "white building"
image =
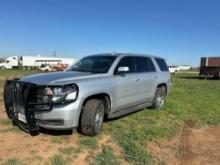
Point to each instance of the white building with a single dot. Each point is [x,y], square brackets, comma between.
[184,67]
[34,61]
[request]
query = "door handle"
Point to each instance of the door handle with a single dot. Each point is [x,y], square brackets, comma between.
[137,79]
[155,77]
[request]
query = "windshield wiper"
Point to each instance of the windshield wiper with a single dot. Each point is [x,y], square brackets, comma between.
[81,70]
[95,71]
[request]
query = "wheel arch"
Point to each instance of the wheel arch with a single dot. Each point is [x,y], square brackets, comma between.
[101,96]
[162,84]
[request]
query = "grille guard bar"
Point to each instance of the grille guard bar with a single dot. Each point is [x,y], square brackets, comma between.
[9,100]
[28,89]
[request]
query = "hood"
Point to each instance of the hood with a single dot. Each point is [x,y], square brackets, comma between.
[57,78]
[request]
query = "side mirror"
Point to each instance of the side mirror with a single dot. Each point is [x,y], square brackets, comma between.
[123,69]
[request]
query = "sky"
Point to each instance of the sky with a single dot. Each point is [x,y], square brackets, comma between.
[181,31]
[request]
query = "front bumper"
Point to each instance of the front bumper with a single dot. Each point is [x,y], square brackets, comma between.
[61,117]
[17,101]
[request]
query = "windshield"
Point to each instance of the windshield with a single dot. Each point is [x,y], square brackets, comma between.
[94,64]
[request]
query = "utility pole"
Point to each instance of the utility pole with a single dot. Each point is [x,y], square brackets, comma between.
[54,53]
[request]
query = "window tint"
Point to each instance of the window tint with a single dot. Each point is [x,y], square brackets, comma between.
[144,64]
[162,64]
[127,62]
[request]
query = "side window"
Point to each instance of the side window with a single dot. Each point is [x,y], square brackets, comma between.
[144,64]
[126,62]
[162,64]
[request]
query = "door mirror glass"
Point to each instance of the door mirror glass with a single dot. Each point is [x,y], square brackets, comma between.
[123,69]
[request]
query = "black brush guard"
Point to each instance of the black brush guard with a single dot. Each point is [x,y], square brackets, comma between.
[14,95]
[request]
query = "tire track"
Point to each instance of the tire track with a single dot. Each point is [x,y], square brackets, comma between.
[184,148]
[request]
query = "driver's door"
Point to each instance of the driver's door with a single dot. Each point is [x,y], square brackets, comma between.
[127,85]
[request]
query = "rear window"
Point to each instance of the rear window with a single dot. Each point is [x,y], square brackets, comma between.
[144,64]
[162,64]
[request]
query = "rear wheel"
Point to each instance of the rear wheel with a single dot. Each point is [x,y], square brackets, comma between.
[92,117]
[159,98]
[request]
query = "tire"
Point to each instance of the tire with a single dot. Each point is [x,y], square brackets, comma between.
[159,98]
[92,117]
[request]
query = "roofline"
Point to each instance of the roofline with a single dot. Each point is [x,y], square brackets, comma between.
[126,54]
[211,57]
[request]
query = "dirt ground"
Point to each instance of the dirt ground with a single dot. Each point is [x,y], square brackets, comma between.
[192,147]
[16,144]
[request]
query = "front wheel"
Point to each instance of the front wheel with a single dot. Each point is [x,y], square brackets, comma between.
[92,117]
[159,98]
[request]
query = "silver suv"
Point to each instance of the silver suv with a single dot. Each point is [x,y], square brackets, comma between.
[105,84]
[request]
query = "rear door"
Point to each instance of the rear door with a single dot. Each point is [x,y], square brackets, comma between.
[148,77]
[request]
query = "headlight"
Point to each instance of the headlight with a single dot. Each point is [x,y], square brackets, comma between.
[56,94]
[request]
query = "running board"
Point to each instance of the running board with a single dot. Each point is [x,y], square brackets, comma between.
[128,110]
